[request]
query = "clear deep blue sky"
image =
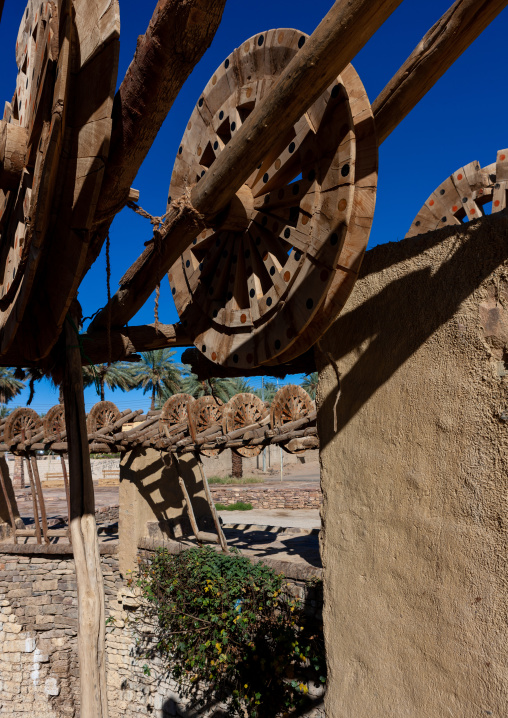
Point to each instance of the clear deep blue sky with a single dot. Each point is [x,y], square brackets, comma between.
[463,118]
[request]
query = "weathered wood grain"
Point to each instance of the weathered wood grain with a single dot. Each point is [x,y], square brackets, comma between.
[434,54]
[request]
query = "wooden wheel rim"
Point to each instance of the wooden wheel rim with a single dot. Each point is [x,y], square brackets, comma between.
[465,196]
[204,413]
[22,421]
[102,414]
[240,411]
[66,55]
[54,421]
[175,410]
[290,404]
[248,293]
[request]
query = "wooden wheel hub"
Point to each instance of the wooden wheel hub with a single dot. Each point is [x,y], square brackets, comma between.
[250,286]
[240,211]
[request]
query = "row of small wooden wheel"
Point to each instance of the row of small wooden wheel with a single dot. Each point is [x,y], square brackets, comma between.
[290,403]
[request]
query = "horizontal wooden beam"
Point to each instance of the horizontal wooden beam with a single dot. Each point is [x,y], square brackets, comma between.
[335,42]
[132,340]
[435,53]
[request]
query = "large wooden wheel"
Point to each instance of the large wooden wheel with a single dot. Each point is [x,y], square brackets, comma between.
[243,410]
[102,414]
[204,413]
[175,411]
[296,231]
[290,404]
[469,193]
[66,55]
[22,422]
[54,421]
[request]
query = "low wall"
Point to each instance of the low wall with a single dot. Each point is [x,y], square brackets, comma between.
[38,640]
[268,498]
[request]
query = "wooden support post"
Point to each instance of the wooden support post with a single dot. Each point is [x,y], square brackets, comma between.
[338,38]
[434,54]
[91,609]
[33,461]
[34,500]
[216,520]
[190,510]
[67,495]
[3,483]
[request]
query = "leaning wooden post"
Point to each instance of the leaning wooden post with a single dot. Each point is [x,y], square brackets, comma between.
[91,608]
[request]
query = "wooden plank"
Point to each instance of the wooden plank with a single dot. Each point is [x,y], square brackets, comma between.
[44,520]
[3,486]
[434,54]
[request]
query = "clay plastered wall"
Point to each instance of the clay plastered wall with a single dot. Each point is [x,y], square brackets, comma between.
[415,481]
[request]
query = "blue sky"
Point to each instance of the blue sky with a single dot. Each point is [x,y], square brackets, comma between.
[460,120]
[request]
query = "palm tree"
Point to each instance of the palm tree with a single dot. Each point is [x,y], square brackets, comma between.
[310,384]
[239,385]
[115,376]
[156,372]
[9,385]
[268,392]
[221,388]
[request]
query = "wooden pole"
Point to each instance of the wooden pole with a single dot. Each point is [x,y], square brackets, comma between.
[67,495]
[190,510]
[34,500]
[216,520]
[130,340]
[434,54]
[44,519]
[3,483]
[91,609]
[175,40]
[338,38]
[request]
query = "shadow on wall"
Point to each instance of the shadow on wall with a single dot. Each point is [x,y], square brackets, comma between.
[163,493]
[424,300]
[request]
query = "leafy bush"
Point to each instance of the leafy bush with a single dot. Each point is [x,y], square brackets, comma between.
[238,506]
[229,631]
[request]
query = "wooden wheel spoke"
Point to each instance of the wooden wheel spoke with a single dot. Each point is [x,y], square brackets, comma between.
[287,224]
[465,196]
[279,171]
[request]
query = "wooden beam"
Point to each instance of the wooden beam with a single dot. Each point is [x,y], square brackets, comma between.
[431,58]
[206,369]
[91,609]
[131,340]
[176,39]
[334,43]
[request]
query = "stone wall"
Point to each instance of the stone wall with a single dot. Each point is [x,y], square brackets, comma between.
[38,624]
[415,480]
[38,645]
[268,498]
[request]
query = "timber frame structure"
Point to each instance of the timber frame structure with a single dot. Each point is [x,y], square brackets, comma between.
[68,157]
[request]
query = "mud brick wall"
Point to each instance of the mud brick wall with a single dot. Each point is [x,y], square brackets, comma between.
[268,498]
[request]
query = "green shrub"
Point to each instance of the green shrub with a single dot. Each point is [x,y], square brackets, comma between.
[229,631]
[238,506]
